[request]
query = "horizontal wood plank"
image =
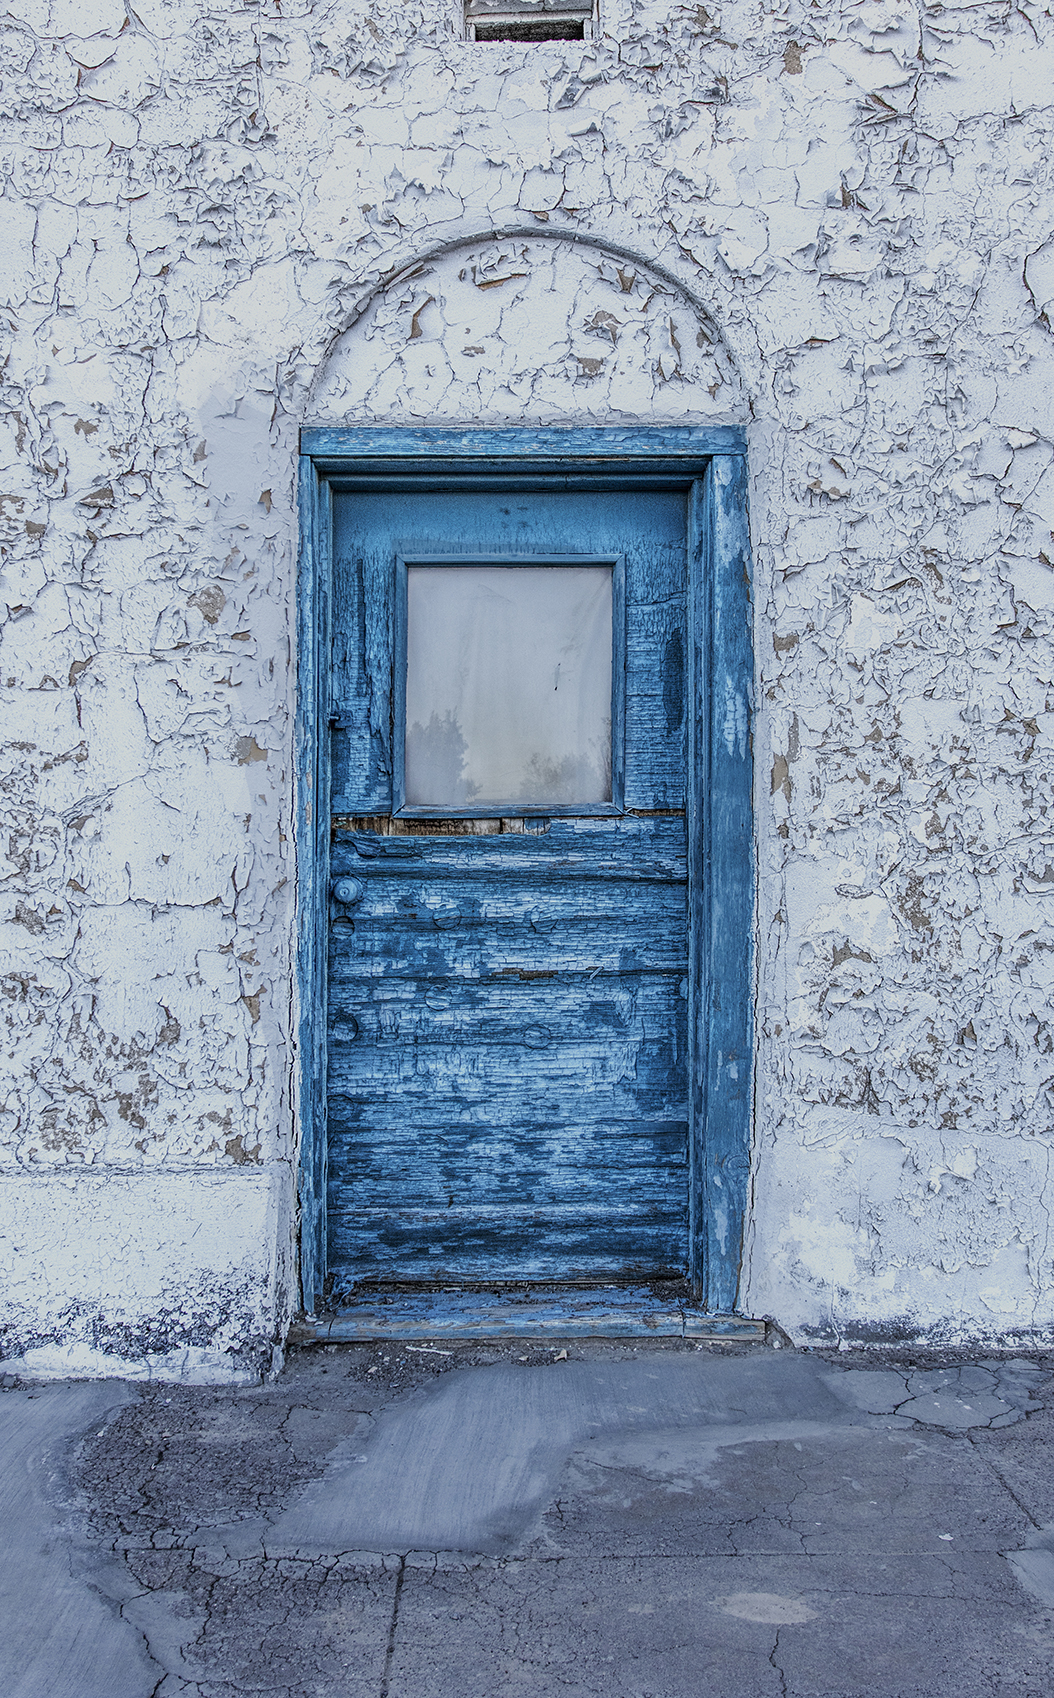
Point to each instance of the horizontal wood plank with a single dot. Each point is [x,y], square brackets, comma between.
[536,1010]
[562,445]
[431,1124]
[540,1059]
[631,849]
[520,1166]
[491,951]
[531,1310]
[526,1244]
[485,899]
[505,1083]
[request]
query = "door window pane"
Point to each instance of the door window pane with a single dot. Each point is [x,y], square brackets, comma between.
[508,686]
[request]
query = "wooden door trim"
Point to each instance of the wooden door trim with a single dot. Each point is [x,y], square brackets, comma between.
[709,463]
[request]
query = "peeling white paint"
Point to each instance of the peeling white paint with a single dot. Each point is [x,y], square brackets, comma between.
[192,1366]
[179,1271]
[220,222]
[530,329]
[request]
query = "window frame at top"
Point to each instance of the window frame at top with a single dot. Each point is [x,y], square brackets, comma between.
[512,807]
[529,22]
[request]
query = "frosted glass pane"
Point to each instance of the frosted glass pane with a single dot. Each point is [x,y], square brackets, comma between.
[508,685]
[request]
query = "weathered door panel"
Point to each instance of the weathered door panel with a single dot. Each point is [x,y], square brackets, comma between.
[507,1074]
[645,527]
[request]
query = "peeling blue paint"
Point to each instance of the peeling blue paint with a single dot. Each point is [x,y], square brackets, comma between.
[514,1089]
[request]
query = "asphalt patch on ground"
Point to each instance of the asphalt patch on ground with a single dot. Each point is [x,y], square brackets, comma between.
[659,1520]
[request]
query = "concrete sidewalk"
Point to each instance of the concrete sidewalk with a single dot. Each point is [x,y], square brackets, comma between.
[473,1521]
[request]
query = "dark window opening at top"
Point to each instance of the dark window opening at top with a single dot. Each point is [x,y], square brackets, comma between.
[540,29]
[528,20]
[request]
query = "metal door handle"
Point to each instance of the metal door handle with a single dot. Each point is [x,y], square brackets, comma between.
[348,891]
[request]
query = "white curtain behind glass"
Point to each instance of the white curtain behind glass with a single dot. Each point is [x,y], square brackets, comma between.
[508,686]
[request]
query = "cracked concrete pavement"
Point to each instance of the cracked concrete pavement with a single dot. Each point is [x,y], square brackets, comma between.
[649,1520]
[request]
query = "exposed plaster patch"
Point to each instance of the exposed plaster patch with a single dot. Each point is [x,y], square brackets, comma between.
[192,1366]
[174,1274]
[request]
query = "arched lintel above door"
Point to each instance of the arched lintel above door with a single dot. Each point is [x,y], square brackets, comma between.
[542,325]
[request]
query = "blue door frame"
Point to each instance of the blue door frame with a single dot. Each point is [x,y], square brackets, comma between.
[710,464]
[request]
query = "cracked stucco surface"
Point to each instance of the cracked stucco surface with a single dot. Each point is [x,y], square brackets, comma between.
[201,207]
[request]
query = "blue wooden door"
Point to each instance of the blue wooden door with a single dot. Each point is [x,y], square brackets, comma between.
[508,979]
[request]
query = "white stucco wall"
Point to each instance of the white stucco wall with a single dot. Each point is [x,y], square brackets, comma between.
[199,202]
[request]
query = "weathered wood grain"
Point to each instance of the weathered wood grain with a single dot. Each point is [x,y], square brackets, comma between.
[508,1043]
[532,1311]
[360,722]
[414,1112]
[548,1177]
[497,1036]
[508,1006]
[645,527]
[631,849]
[505,1243]
[382,447]
[452,951]
[494,1138]
[487,1160]
[722,948]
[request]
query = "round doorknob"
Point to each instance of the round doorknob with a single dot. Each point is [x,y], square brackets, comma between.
[348,891]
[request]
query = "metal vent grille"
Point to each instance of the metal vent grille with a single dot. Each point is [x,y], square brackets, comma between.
[528,20]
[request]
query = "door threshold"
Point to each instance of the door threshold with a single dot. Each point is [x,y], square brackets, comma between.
[533,1312]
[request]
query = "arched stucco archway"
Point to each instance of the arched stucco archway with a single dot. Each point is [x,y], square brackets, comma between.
[557,336]
[529,327]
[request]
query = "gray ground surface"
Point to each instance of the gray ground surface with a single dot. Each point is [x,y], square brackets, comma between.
[659,1521]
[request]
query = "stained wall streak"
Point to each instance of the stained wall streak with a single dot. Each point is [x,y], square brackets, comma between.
[199,201]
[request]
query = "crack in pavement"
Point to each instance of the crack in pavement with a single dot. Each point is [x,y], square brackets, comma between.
[389,1654]
[241,1599]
